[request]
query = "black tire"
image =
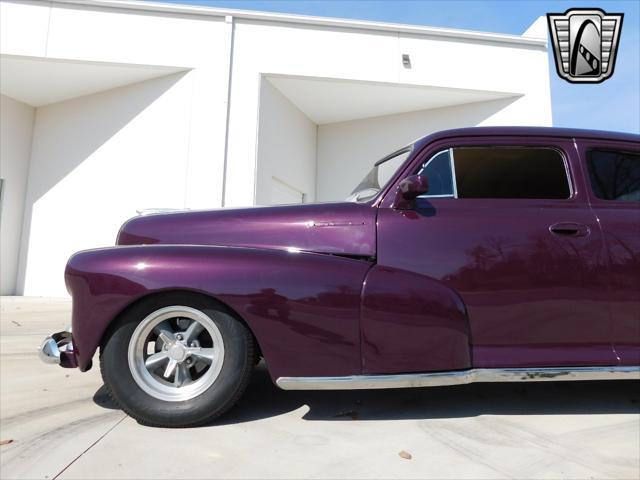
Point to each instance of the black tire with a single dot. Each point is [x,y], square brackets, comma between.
[228,387]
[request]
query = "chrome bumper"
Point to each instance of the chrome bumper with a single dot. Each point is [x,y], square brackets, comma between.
[58,348]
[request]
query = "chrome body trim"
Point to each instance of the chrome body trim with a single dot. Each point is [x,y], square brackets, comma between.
[460,377]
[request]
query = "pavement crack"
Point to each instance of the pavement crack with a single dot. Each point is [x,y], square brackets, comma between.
[89,448]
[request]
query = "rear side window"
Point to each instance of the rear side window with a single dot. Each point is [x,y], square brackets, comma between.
[615,175]
[510,172]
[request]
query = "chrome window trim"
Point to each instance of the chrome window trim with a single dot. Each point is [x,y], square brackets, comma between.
[435,196]
[454,179]
[451,168]
[460,377]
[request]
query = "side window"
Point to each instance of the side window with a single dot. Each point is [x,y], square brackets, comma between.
[615,175]
[438,171]
[510,172]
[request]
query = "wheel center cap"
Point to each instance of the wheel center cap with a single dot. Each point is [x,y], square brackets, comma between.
[177,352]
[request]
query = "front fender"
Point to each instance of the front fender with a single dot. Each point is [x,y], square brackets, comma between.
[303,308]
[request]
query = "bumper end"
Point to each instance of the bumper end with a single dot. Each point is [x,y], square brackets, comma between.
[57,348]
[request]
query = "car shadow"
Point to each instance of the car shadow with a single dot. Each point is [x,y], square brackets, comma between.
[263,399]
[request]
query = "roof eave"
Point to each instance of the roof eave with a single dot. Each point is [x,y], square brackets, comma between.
[309,20]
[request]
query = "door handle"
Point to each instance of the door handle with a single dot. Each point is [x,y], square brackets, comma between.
[570,229]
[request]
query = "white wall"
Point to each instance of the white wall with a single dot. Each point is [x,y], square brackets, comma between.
[275,48]
[95,34]
[96,160]
[16,128]
[286,150]
[348,150]
[349,53]
[199,43]
[100,157]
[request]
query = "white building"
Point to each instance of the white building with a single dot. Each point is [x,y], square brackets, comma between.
[109,107]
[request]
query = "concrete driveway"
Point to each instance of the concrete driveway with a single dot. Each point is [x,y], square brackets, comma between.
[62,426]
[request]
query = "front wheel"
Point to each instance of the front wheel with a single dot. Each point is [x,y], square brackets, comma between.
[178,360]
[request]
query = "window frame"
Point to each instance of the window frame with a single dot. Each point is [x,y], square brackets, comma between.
[569,148]
[452,165]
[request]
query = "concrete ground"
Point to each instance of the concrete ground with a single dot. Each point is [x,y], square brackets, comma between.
[62,426]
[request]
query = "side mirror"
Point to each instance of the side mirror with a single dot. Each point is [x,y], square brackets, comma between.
[409,189]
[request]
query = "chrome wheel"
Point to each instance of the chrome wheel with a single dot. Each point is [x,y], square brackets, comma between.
[176,353]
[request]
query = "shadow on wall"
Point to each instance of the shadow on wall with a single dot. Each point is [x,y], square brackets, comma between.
[87,123]
[265,400]
[352,147]
[67,134]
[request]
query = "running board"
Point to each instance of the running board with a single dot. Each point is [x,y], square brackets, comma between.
[459,377]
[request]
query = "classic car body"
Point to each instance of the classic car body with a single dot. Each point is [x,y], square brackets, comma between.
[400,289]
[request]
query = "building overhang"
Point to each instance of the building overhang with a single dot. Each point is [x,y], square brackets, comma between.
[39,81]
[328,100]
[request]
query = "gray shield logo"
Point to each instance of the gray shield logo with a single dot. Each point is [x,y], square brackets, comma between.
[585,43]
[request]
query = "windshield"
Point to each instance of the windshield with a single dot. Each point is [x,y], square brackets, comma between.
[379,175]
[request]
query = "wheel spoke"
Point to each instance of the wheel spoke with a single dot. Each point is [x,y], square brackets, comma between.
[183,376]
[166,337]
[165,332]
[205,355]
[171,366]
[193,331]
[155,360]
[164,325]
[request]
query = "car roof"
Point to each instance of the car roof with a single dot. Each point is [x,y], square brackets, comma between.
[526,132]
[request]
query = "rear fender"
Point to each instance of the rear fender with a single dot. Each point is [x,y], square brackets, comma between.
[302,308]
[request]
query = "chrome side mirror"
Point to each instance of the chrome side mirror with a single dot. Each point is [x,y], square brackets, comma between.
[409,189]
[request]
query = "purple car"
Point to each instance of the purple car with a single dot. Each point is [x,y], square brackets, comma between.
[471,255]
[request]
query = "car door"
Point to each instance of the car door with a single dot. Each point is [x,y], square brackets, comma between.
[504,227]
[613,173]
